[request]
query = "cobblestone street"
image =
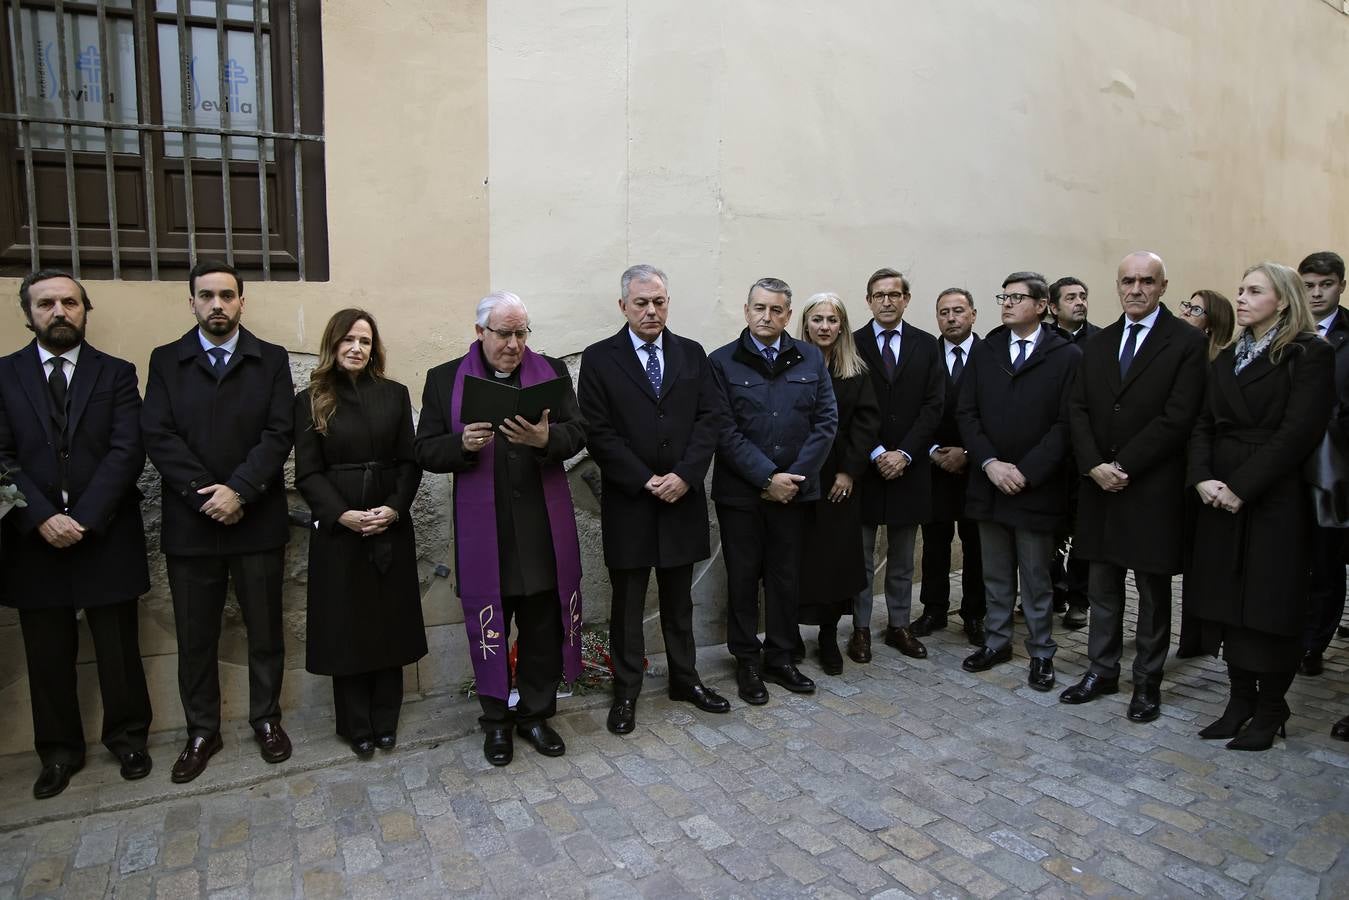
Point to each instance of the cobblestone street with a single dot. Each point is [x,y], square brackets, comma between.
[899,778]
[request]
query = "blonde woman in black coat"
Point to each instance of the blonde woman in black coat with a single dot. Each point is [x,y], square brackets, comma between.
[355,467]
[1269,398]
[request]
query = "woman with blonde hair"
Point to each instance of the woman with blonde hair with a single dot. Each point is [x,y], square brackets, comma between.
[832,565]
[355,467]
[1211,313]
[1269,398]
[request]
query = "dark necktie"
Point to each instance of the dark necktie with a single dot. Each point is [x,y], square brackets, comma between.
[217,355]
[770,354]
[56,384]
[1321,332]
[1126,358]
[888,354]
[1020,355]
[652,367]
[958,366]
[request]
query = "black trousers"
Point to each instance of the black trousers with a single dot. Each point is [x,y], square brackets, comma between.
[936,587]
[366,705]
[51,642]
[1105,641]
[1325,588]
[1071,581]
[199,585]
[627,645]
[762,543]
[538,663]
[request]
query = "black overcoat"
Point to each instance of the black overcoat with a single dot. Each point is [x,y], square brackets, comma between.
[524,541]
[1084,334]
[365,609]
[105,457]
[1253,433]
[235,430]
[1018,417]
[948,491]
[911,408]
[832,563]
[1143,423]
[633,435]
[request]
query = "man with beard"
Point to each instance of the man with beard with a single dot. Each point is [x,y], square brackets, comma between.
[70,439]
[217,421]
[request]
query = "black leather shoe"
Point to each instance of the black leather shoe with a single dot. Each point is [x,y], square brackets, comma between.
[1340,730]
[135,765]
[902,639]
[750,684]
[926,624]
[54,779]
[1311,664]
[983,659]
[975,635]
[702,697]
[1041,673]
[364,748]
[790,677]
[386,741]
[1075,617]
[192,761]
[497,746]
[859,645]
[1342,630]
[1089,688]
[543,737]
[273,742]
[1146,704]
[622,717]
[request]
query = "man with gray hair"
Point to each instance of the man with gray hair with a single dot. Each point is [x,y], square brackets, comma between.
[517,557]
[653,418]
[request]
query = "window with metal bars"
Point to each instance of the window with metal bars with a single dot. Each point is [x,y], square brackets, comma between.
[139,135]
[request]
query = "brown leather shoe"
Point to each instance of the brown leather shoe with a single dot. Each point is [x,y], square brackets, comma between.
[192,761]
[902,639]
[859,645]
[273,743]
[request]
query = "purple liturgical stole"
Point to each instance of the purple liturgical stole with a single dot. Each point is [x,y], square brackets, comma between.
[475,531]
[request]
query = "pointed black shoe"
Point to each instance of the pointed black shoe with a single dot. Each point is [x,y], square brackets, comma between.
[789,677]
[983,659]
[1091,686]
[702,697]
[1240,706]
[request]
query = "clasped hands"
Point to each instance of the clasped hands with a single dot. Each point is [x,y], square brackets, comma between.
[891,464]
[367,522]
[950,459]
[222,504]
[782,487]
[517,430]
[1006,477]
[1109,477]
[668,487]
[1218,495]
[61,531]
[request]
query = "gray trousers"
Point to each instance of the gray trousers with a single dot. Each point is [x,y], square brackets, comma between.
[898,575]
[1008,552]
[1105,641]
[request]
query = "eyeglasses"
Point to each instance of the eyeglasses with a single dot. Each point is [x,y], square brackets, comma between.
[892,296]
[506,334]
[1192,310]
[1011,299]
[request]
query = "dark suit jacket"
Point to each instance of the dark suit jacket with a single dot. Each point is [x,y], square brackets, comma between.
[633,434]
[1021,418]
[1144,424]
[525,543]
[1338,337]
[105,457]
[948,491]
[911,407]
[235,430]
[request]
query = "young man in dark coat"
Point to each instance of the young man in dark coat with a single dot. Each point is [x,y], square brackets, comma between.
[1012,419]
[218,421]
[1131,411]
[653,419]
[70,440]
[780,418]
[910,383]
[950,474]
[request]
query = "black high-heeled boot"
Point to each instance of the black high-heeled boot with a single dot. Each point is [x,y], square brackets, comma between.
[831,660]
[1240,705]
[1271,712]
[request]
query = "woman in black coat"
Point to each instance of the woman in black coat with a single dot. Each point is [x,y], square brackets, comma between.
[355,467]
[833,569]
[1269,399]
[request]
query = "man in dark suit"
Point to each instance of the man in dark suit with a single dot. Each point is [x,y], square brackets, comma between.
[910,383]
[1068,314]
[517,557]
[653,419]
[950,473]
[70,440]
[218,421]
[1323,275]
[779,422]
[1131,411]
[1011,417]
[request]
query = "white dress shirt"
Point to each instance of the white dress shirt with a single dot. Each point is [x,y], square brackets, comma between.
[229,346]
[638,343]
[1147,322]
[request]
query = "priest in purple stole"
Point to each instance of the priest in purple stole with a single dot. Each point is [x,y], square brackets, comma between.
[517,555]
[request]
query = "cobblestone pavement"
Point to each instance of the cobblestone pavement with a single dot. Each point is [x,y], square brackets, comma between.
[900,778]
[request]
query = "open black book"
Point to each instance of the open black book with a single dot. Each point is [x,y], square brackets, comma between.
[488,400]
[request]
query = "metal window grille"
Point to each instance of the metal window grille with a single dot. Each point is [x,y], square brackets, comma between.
[150,21]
